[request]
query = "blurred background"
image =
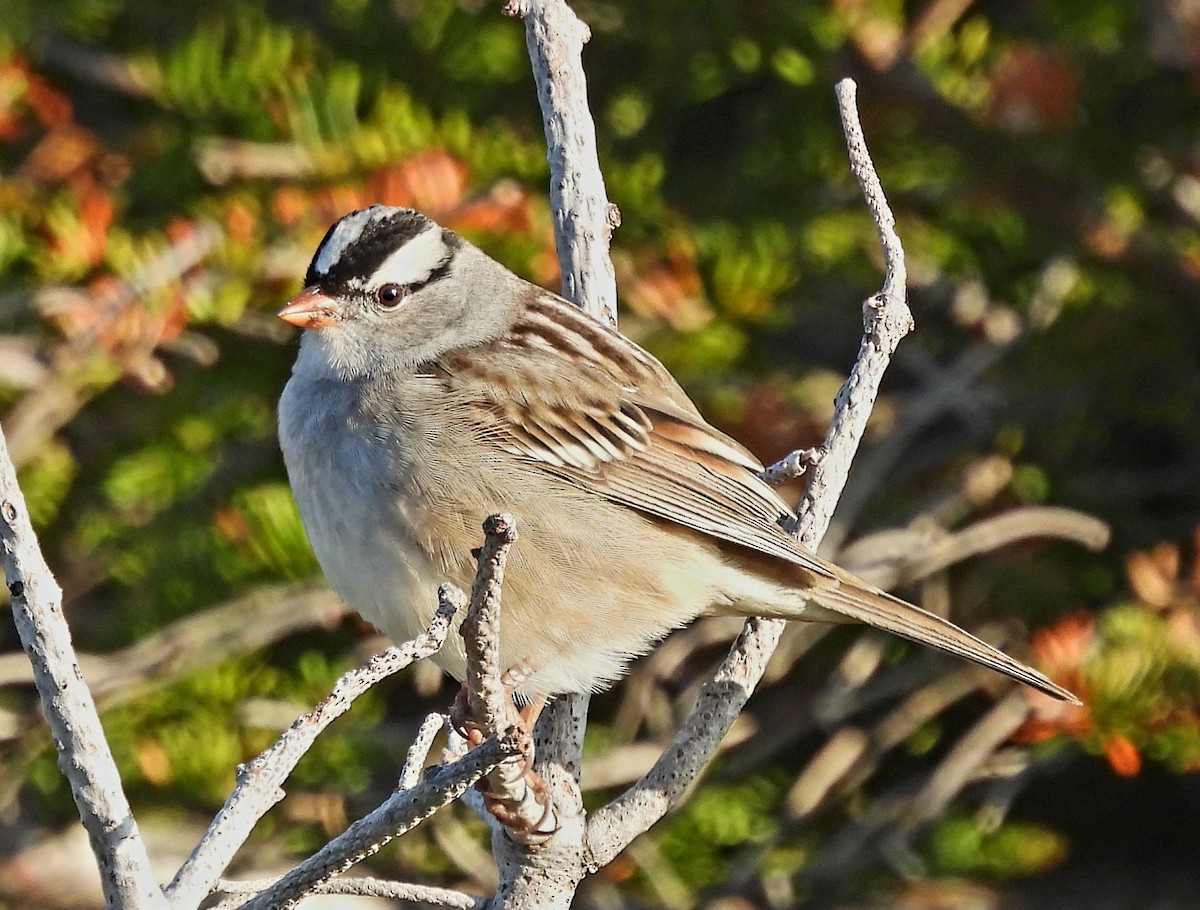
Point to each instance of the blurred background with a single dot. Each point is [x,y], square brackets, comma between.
[167,170]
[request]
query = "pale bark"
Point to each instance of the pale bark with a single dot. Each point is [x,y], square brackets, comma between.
[83,752]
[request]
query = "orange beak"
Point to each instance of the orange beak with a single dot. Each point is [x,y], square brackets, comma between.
[312,308]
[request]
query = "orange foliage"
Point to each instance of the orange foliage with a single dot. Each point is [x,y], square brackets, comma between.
[27,92]
[241,223]
[1033,88]
[61,153]
[670,290]
[1060,651]
[1123,756]
[505,209]
[434,182]
[1163,720]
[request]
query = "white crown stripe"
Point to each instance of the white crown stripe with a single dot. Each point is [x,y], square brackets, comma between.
[344,233]
[414,262]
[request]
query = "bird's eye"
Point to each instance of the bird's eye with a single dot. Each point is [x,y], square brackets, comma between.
[390,295]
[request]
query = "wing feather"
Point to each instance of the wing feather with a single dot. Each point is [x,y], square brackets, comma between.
[618,425]
[625,431]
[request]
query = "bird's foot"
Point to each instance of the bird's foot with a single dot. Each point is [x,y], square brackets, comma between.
[514,793]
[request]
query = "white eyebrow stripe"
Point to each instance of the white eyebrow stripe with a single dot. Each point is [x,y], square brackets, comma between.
[413,263]
[344,233]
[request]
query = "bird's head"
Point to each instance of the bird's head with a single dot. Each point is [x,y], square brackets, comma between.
[389,288]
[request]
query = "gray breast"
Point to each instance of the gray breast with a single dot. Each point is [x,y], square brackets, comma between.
[350,476]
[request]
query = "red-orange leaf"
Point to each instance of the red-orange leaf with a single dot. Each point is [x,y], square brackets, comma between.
[1123,756]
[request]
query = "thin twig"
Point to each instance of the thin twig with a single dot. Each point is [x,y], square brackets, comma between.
[259,780]
[955,390]
[788,468]
[889,823]
[491,707]
[886,320]
[911,554]
[517,796]
[418,752]
[83,753]
[401,812]
[364,886]
[969,753]
[852,755]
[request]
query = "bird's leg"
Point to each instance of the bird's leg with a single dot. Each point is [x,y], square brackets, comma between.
[515,677]
[532,710]
[512,679]
[462,720]
[514,794]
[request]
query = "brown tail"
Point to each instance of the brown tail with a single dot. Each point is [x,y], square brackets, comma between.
[855,599]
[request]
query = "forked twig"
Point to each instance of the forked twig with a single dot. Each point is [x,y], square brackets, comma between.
[886,320]
[259,780]
[515,793]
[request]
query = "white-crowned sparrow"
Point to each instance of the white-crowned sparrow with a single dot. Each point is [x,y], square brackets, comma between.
[434,387]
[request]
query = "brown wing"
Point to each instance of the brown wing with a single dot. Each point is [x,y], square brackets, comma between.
[618,425]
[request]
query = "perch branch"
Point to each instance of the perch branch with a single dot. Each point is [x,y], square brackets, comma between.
[83,752]
[583,224]
[259,781]
[517,796]
[491,707]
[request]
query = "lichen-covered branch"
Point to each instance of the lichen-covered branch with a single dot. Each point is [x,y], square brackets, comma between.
[418,752]
[491,707]
[259,781]
[83,752]
[886,320]
[360,886]
[401,812]
[584,219]
[516,795]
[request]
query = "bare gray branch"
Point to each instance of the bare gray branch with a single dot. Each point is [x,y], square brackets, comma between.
[83,753]
[584,219]
[260,780]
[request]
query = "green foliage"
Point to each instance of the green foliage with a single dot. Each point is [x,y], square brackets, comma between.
[184,742]
[961,845]
[700,840]
[1040,161]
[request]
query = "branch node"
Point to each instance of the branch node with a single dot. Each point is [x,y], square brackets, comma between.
[790,467]
[501,525]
